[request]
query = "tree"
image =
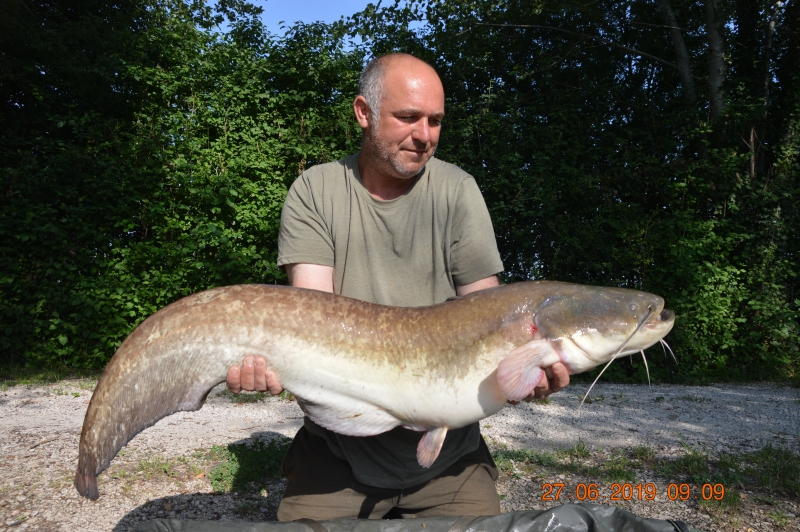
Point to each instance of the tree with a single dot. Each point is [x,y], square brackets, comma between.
[602,162]
[160,174]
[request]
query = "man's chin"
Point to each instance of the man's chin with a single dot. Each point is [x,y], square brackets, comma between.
[408,171]
[411,166]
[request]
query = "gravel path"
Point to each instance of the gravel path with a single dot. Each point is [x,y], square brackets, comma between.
[40,427]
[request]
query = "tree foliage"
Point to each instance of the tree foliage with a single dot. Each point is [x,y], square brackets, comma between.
[652,145]
[156,172]
[600,165]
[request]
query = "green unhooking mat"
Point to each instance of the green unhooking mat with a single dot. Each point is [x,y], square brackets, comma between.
[567,517]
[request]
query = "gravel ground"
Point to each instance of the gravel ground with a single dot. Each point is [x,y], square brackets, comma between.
[40,428]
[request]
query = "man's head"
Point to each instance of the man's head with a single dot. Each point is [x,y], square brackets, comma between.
[400,107]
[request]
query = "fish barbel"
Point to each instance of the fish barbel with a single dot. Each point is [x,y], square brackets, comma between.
[357,368]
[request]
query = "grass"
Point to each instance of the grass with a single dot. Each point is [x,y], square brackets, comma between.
[776,468]
[87,384]
[577,460]
[18,375]
[620,398]
[506,460]
[245,466]
[580,450]
[780,517]
[252,397]
[772,469]
[244,397]
[643,454]
[693,466]
[286,395]
[618,469]
[156,466]
[594,399]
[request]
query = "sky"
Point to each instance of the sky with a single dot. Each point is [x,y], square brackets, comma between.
[307,11]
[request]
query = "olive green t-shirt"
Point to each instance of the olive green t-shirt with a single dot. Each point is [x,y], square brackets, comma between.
[410,251]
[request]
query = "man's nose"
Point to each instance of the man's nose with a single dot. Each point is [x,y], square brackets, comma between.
[422,131]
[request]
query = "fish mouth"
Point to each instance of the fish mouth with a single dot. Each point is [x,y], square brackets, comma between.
[650,332]
[666,318]
[597,347]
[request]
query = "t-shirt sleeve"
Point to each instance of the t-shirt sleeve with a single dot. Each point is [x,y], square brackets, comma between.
[473,248]
[304,236]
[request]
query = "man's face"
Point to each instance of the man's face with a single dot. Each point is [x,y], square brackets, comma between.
[405,135]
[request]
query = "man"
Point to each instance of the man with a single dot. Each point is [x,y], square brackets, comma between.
[394,226]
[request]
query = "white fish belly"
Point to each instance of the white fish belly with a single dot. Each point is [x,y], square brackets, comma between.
[364,395]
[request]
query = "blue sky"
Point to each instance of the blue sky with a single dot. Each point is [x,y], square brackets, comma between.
[308,10]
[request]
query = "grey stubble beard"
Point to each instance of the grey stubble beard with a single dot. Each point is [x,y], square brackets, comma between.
[382,153]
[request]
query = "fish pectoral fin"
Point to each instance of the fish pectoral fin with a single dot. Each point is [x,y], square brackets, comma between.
[430,445]
[520,372]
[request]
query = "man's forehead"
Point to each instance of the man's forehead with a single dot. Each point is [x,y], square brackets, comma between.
[413,88]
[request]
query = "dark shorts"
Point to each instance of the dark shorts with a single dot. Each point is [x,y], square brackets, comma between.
[321,486]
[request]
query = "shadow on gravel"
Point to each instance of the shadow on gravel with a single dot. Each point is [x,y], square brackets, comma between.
[726,419]
[246,478]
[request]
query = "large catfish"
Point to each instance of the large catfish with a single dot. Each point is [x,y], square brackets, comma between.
[361,369]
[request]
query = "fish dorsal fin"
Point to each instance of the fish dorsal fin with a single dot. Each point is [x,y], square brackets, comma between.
[430,445]
[520,372]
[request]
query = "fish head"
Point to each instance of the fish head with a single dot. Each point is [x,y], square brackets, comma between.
[590,325]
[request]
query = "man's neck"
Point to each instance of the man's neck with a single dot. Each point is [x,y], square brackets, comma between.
[381,185]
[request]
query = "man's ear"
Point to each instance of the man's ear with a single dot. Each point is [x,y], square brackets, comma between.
[362,111]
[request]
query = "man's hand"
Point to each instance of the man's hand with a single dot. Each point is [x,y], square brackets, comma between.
[253,376]
[556,378]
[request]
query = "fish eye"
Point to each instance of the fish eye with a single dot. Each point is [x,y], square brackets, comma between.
[634,306]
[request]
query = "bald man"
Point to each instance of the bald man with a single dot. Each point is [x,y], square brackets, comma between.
[395,226]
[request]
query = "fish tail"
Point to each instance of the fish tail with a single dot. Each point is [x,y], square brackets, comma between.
[86,484]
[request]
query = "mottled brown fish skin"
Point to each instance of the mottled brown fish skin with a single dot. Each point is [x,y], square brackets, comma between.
[173,359]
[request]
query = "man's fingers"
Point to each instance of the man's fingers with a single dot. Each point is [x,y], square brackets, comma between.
[555,379]
[251,376]
[273,384]
[259,374]
[234,379]
[247,374]
[560,378]
[542,389]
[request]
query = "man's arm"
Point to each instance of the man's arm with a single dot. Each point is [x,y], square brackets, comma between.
[487,282]
[313,276]
[253,374]
[557,374]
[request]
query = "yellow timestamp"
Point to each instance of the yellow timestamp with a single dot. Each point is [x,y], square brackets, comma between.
[553,491]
